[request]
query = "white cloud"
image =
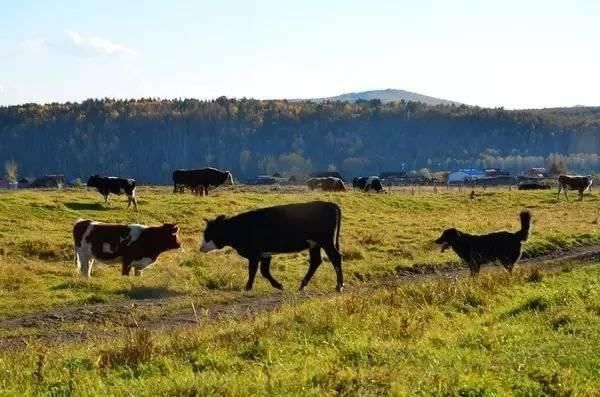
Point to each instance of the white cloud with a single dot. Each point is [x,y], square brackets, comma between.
[93,45]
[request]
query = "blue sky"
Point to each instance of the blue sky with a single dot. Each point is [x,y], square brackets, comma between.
[516,54]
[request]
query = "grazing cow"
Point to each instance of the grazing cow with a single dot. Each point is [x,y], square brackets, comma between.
[258,234]
[133,245]
[314,183]
[328,184]
[200,180]
[331,184]
[110,184]
[367,183]
[570,182]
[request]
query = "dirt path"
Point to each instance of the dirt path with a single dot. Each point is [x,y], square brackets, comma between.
[78,323]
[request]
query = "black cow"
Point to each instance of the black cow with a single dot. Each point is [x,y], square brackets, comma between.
[579,183]
[110,184]
[200,180]
[258,234]
[367,183]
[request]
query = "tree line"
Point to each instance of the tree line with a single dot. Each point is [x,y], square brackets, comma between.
[149,138]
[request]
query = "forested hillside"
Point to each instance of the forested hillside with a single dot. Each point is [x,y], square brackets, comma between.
[148,138]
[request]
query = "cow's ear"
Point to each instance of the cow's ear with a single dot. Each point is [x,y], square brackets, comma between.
[221,218]
[206,220]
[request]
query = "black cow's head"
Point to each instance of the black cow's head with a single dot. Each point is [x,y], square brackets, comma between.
[448,238]
[214,234]
[93,181]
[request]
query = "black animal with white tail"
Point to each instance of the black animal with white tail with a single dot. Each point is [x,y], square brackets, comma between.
[503,247]
[257,235]
[110,184]
[579,183]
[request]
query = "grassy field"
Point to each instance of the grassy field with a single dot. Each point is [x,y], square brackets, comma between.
[493,336]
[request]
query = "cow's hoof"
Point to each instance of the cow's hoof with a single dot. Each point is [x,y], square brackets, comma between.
[248,287]
[339,288]
[278,286]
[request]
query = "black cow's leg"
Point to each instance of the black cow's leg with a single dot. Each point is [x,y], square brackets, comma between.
[125,268]
[336,261]
[559,190]
[315,261]
[565,191]
[580,195]
[265,270]
[252,268]
[106,199]
[206,190]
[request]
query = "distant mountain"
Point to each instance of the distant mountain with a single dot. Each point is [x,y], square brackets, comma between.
[388,95]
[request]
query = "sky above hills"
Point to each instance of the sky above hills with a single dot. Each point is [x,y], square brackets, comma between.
[507,53]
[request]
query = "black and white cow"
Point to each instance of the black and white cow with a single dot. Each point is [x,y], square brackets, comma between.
[110,184]
[367,183]
[570,182]
[133,245]
[200,180]
[258,234]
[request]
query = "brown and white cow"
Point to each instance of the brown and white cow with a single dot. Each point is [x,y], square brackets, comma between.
[133,245]
[570,182]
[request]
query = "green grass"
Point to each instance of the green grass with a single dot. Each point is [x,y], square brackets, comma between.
[493,336]
[532,334]
[380,233]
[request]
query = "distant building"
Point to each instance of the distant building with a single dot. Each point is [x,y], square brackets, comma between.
[465,175]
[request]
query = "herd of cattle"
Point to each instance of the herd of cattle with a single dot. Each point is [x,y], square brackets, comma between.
[199,181]
[257,235]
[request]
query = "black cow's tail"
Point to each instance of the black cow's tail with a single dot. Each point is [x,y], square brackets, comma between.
[523,234]
[338,214]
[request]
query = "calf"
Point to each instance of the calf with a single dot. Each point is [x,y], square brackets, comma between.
[110,184]
[579,183]
[258,234]
[133,245]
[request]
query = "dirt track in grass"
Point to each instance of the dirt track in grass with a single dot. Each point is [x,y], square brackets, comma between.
[106,320]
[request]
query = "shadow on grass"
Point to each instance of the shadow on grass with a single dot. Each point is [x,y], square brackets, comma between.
[141,293]
[86,206]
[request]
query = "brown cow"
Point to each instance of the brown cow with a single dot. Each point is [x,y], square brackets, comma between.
[571,182]
[133,245]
